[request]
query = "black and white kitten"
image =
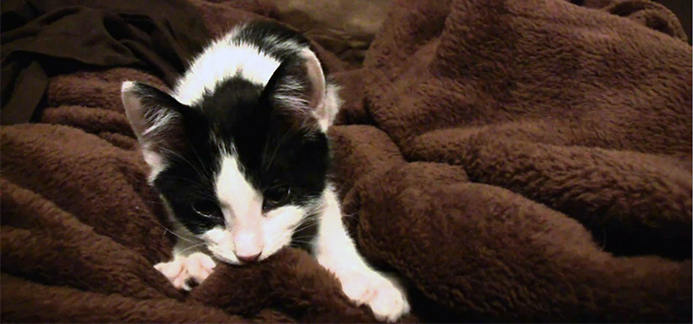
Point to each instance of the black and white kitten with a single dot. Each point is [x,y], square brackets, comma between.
[240,156]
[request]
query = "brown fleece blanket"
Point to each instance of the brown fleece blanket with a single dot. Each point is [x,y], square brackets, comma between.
[511,160]
[41,39]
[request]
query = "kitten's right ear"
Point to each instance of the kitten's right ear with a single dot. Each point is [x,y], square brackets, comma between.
[157,120]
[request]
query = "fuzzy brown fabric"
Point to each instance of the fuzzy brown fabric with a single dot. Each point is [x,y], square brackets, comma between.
[512,160]
[41,39]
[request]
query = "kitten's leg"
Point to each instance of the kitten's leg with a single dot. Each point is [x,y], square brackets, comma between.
[335,250]
[187,265]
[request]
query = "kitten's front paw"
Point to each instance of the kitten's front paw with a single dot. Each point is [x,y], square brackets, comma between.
[182,270]
[385,298]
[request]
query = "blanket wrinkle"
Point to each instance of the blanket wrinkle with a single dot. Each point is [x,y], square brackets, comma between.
[511,161]
[42,39]
[651,14]
[98,307]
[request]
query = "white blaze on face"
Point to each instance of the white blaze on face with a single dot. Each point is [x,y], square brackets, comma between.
[248,232]
[241,205]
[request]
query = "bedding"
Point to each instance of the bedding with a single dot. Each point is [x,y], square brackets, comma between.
[510,160]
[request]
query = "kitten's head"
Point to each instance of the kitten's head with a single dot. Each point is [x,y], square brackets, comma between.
[245,166]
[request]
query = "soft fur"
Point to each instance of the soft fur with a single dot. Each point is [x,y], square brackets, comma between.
[240,156]
[513,161]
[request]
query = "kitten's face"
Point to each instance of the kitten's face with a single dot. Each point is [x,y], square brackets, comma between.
[246,180]
[242,168]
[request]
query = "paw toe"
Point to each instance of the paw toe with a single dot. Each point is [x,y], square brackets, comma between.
[170,269]
[185,273]
[207,263]
[179,282]
[199,266]
[389,305]
[386,301]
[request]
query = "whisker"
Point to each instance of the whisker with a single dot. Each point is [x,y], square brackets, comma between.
[305,226]
[302,243]
[264,153]
[312,216]
[349,215]
[309,220]
[284,236]
[299,230]
[191,247]
[176,234]
[302,239]
[199,159]
[277,144]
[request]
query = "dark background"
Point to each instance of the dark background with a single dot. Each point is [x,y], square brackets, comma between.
[682,9]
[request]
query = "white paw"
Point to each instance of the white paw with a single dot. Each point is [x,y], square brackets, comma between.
[384,296]
[196,267]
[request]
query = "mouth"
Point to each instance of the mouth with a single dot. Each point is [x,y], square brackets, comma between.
[228,260]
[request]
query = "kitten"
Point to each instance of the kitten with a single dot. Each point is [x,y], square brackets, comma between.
[240,155]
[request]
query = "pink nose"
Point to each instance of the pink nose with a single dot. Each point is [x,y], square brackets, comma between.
[249,258]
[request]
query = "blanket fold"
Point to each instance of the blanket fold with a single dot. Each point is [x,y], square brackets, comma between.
[509,160]
[41,39]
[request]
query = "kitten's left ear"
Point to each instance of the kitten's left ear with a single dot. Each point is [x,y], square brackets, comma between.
[158,121]
[300,85]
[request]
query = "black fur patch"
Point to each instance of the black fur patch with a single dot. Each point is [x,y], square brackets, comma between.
[270,148]
[264,33]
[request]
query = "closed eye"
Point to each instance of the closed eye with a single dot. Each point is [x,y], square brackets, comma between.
[207,208]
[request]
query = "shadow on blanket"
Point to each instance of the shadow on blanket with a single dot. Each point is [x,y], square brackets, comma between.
[513,160]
